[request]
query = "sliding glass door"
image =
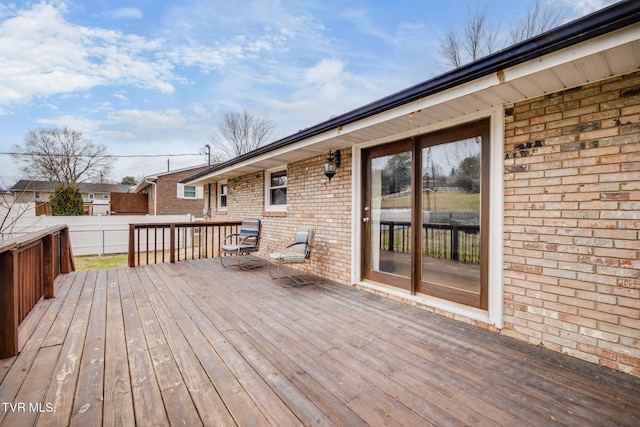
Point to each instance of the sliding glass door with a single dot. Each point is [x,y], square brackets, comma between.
[424,214]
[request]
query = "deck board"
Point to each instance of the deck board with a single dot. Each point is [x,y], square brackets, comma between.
[117,370]
[192,343]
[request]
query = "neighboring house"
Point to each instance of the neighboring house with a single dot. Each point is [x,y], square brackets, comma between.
[6,196]
[543,242]
[26,191]
[168,196]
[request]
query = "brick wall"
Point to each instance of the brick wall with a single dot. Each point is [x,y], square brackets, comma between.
[311,200]
[168,202]
[572,222]
[571,218]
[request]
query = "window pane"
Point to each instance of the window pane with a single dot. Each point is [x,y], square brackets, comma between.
[391,213]
[279,179]
[223,195]
[278,196]
[189,191]
[450,234]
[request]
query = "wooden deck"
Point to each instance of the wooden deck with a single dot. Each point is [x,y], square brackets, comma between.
[191,344]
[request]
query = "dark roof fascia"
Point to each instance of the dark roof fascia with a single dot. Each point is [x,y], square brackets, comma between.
[604,21]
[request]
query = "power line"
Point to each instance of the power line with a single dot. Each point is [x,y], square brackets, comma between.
[107,155]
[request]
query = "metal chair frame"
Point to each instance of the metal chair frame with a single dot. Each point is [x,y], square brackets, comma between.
[289,257]
[247,241]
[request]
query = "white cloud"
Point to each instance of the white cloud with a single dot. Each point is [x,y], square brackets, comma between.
[329,77]
[170,118]
[111,135]
[327,70]
[43,54]
[128,13]
[78,123]
[584,7]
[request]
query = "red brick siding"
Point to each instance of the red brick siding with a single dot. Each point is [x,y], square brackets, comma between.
[572,222]
[168,202]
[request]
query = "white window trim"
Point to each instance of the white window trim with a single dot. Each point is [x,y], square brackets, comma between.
[219,194]
[495,313]
[180,192]
[267,191]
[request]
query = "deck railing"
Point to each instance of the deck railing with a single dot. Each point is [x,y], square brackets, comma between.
[171,242]
[29,266]
[446,241]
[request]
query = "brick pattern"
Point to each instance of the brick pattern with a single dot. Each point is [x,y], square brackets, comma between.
[571,218]
[168,202]
[572,222]
[311,200]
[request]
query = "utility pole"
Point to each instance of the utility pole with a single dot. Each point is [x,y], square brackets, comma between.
[209,185]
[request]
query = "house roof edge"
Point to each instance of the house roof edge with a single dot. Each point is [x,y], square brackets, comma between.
[609,19]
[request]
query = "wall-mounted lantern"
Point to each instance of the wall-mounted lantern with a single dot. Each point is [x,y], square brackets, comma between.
[331,164]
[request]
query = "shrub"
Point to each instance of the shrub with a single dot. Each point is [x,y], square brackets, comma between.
[67,201]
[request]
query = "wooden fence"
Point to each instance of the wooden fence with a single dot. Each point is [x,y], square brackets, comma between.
[28,268]
[171,242]
[43,208]
[129,204]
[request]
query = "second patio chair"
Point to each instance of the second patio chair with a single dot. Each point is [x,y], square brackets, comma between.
[243,243]
[297,252]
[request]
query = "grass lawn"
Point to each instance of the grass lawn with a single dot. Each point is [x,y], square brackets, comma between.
[98,262]
[455,201]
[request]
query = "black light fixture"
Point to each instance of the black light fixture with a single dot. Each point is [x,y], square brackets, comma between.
[331,164]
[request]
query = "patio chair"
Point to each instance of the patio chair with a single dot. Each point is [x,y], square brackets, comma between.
[243,243]
[297,252]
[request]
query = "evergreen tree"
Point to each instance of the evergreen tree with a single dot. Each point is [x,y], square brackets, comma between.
[67,201]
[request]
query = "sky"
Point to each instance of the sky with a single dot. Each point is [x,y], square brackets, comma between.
[154,77]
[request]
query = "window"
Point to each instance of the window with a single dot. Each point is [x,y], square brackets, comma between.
[276,190]
[37,195]
[190,192]
[105,196]
[91,196]
[223,190]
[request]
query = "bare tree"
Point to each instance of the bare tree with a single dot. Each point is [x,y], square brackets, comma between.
[540,18]
[479,37]
[450,50]
[11,211]
[240,133]
[63,155]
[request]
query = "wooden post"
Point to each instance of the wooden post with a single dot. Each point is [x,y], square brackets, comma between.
[65,251]
[132,245]
[172,243]
[9,303]
[48,264]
